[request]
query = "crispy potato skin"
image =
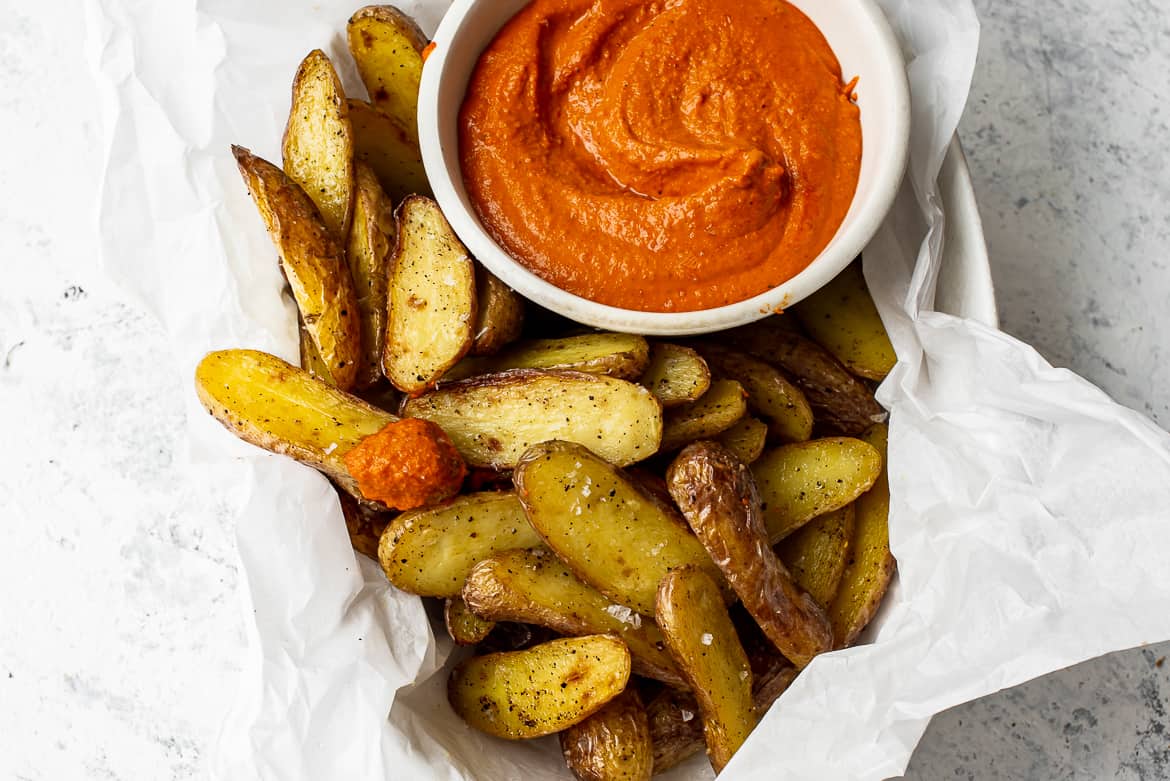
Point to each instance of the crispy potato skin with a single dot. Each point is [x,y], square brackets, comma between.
[676,374]
[318,141]
[702,638]
[387,46]
[371,239]
[390,151]
[431,551]
[534,587]
[612,744]
[432,304]
[817,552]
[769,393]
[676,729]
[311,360]
[464,626]
[718,497]
[313,261]
[500,319]
[842,318]
[541,690]
[283,409]
[838,399]
[495,418]
[615,355]
[609,532]
[720,408]
[801,481]
[871,565]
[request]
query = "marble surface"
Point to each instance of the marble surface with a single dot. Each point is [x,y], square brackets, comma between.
[121,633]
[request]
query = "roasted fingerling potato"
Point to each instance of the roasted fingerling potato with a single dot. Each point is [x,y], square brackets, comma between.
[464,626]
[318,147]
[281,408]
[610,533]
[371,239]
[746,439]
[769,393]
[364,524]
[871,565]
[535,587]
[700,635]
[717,496]
[387,46]
[390,151]
[612,744]
[432,304]
[676,728]
[313,262]
[431,551]
[798,482]
[500,318]
[842,318]
[721,407]
[839,400]
[615,355]
[540,690]
[816,554]
[495,418]
[676,374]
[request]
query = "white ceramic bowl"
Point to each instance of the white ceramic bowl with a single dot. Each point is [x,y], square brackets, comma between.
[865,46]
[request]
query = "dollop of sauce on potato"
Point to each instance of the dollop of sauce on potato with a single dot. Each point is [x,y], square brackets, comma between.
[409,463]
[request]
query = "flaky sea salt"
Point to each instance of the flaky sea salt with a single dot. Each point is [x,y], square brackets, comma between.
[707,638]
[686,714]
[331,448]
[625,615]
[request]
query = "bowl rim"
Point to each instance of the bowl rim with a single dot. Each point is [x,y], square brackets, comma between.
[842,249]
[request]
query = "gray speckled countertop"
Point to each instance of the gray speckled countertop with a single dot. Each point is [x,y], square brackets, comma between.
[121,634]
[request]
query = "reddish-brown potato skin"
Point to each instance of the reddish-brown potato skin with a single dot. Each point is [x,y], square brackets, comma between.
[612,744]
[718,497]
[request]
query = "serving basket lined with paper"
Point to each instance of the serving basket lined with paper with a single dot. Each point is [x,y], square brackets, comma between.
[588,505]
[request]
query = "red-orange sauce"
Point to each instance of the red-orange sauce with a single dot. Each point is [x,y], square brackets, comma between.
[661,155]
[409,463]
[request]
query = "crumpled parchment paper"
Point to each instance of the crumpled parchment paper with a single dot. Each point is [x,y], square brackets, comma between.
[1028,514]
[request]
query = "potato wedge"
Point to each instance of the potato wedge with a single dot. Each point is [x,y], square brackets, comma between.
[500,318]
[746,439]
[313,262]
[432,302]
[389,150]
[431,551]
[387,46]
[541,690]
[318,142]
[276,406]
[816,553]
[610,533]
[676,729]
[798,482]
[769,393]
[676,374]
[464,627]
[612,744]
[700,635]
[364,524]
[842,318]
[871,564]
[720,408]
[371,239]
[494,419]
[717,495]
[615,355]
[838,398]
[534,587]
